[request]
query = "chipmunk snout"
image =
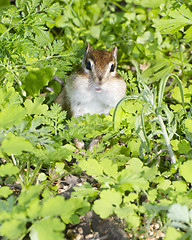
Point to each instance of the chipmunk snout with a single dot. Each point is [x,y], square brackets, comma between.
[100,78]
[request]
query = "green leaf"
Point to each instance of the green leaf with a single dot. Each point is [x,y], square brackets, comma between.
[172,234]
[188,34]
[179,214]
[91,166]
[5,192]
[8,170]
[27,196]
[129,180]
[37,79]
[47,229]
[17,227]
[37,107]
[102,208]
[152,195]
[180,17]
[181,96]
[184,146]
[34,208]
[60,168]
[174,144]
[185,170]
[188,124]
[11,115]
[149,173]
[42,36]
[95,31]
[52,207]
[111,196]
[42,177]
[180,186]
[135,164]
[128,213]
[16,145]
[164,185]
[130,198]
[109,200]
[70,208]
[85,191]
[108,167]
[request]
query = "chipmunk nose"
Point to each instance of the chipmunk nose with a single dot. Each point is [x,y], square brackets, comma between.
[100,78]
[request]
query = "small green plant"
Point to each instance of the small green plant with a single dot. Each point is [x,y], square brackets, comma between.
[129,173]
[155,107]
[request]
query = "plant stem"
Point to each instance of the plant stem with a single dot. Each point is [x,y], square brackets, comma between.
[15,163]
[167,141]
[38,167]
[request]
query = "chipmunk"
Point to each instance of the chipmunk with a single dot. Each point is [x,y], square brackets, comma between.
[96,88]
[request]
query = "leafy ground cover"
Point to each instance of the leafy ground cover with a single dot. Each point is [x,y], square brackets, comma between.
[137,181]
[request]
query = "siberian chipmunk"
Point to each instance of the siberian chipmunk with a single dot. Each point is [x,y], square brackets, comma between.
[95,88]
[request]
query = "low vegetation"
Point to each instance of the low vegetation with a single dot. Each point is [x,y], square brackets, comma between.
[140,172]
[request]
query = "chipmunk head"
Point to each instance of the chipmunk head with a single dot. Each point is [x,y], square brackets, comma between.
[100,64]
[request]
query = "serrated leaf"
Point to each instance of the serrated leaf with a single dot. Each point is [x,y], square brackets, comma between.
[172,234]
[52,207]
[152,195]
[130,198]
[124,212]
[174,144]
[135,164]
[169,26]
[184,146]
[164,185]
[181,97]
[180,17]
[37,107]
[34,208]
[70,207]
[42,36]
[8,170]
[111,196]
[18,228]
[102,208]
[149,173]
[188,124]
[85,191]
[106,205]
[108,167]
[91,166]
[178,213]
[5,192]
[47,229]
[185,170]
[180,186]
[188,34]
[60,167]
[95,31]
[27,196]
[11,115]
[16,145]
[37,79]
[129,180]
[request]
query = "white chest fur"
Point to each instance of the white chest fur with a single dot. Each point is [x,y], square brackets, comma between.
[89,97]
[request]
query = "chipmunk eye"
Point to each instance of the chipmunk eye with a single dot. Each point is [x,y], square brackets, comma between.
[112,69]
[88,65]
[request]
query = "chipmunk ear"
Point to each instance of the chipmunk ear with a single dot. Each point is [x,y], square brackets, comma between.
[88,48]
[114,52]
